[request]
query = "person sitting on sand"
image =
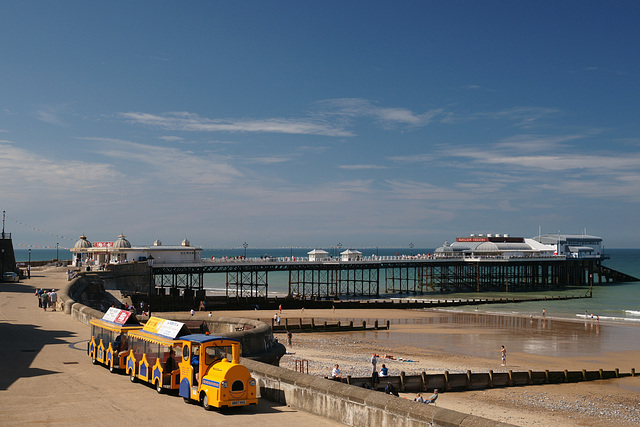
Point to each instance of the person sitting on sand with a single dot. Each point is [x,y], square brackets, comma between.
[432,398]
[336,374]
[418,398]
[384,372]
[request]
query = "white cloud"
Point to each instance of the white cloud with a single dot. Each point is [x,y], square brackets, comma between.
[52,114]
[352,108]
[268,160]
[28,176]
[171,166]
[184,121]
[361,167]
[525,117]
[417,158]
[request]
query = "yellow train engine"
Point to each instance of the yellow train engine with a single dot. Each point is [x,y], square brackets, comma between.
[211,373]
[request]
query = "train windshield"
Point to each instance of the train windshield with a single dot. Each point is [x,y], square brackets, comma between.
[102,334]
[215,354]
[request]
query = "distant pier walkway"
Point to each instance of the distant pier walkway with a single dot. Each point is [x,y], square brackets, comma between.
[372,277]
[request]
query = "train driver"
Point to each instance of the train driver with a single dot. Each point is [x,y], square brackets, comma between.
[195,362]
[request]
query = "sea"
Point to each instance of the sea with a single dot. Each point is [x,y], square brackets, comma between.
[618,302]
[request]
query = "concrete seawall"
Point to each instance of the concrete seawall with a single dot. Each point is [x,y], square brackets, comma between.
[353,406]
[350,405]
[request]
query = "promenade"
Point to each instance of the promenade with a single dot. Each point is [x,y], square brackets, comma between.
[47,378]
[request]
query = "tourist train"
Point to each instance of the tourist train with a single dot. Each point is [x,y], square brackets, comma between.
[201,367]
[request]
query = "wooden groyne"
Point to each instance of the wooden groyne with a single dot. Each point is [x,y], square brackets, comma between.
[219,303]
[456,382]
[311,325]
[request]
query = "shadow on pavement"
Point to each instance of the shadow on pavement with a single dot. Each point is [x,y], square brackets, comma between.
[20,345]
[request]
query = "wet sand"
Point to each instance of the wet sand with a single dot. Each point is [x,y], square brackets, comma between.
[457,342]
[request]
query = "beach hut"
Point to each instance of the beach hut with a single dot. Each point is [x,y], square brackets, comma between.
[351,255]
[318,255]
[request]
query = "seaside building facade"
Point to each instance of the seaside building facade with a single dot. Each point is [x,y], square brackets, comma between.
[351,255]
[120,251]
[318,255]
[573,245]
[503,246]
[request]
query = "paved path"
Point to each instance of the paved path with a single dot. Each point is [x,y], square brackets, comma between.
[47,378]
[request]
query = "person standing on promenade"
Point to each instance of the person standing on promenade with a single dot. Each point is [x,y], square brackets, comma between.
[45,300]
[53,296]
[39,296]
[503,353]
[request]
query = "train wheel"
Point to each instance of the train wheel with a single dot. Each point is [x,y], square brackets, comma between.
[112,369]
[205,402]
[94,361]
[187,400]
[159,388]
[132,377]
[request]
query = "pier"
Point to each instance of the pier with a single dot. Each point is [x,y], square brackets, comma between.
[371,278]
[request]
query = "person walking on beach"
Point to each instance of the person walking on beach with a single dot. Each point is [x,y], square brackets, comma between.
[544,312]
[289,337]
[503,353]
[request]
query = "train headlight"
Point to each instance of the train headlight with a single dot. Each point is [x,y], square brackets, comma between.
[252,382]
[224,384]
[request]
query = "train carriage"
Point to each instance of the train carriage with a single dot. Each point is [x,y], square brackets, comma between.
[109,342]
[154,353]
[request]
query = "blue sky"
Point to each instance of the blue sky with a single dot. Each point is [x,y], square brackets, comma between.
[296,123]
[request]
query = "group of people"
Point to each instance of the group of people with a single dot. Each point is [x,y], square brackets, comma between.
[336,375]
[430,399]
[47,299]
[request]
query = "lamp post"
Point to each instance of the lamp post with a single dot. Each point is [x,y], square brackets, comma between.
[151,284]
[339,246]
[57,258]
[244,245]
[411,249]
[29,266]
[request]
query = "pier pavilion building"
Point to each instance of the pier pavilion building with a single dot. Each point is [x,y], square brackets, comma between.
[120,251]
[503,246]
[573,245]
[318,255]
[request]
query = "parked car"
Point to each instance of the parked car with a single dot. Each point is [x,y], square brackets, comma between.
[10,276]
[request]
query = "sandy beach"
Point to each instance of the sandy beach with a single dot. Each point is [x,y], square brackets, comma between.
[439,341]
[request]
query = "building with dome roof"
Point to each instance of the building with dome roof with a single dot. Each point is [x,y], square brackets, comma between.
[503,246]
[120,251]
